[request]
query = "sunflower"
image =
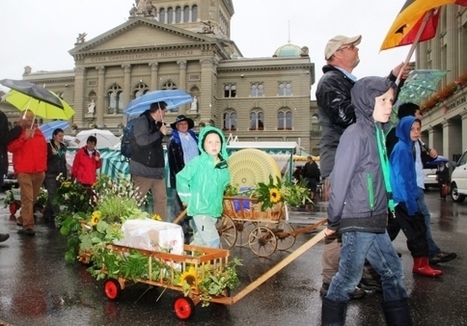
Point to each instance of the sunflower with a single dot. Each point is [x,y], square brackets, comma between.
[156,217]
[95,218]
[189,277]
[274,195]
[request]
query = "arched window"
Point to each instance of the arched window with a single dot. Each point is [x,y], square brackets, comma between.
[256,120]
[315,123]
[194,13]
[170,15]
[186,14]
[257,89]
[230,90]
[169,85]
[162,15]
[284,119]
[140,90]
[178,15]
[285,89]
[230,121]
[115,99]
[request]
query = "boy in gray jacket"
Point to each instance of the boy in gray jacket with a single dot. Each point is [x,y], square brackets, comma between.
[358,207]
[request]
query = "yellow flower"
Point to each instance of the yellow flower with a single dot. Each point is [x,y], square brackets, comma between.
[156,217]
[95,217]
[189,277]
[274,195]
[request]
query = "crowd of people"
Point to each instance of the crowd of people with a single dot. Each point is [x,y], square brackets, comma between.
[373,178]
[372,173]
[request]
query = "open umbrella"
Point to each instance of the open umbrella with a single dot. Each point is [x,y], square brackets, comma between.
[40,108]
[417,21]
[173,97]
[33,91]
[105,138]
[420,84]
[439,159]
[48,128]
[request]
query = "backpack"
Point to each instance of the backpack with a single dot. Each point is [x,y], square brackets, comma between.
[125,147]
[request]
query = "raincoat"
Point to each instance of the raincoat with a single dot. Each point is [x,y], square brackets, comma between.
[358,199]
[403,175]
[202,181]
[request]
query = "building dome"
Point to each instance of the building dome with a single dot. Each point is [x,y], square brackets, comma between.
[288,50]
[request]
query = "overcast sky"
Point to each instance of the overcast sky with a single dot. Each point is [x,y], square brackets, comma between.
[40,33]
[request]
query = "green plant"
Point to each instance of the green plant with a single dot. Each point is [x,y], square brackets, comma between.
[41,200]
[9,198]
[280,191]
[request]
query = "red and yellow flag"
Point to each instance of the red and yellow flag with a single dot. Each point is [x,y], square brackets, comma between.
[409,20]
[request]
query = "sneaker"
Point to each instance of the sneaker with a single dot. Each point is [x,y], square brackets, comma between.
[370,285]
[355,294]
[4,237]
[442,257]
[29,232]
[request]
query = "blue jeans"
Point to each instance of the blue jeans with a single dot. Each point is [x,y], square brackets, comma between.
[378,249]
[433,249]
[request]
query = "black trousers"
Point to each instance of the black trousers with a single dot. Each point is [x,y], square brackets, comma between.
[414,229]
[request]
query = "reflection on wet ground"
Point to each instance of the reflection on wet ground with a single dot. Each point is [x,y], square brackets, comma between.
[37,287]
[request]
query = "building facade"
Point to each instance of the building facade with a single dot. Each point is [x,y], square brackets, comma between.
[170,45]
[444,122]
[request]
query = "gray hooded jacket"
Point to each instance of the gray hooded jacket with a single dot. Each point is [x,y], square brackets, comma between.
[358,199]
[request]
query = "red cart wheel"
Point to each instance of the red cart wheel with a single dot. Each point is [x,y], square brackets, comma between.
[112,289]
[12,208]
[184,308]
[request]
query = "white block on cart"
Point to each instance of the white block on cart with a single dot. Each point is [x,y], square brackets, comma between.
[152,235]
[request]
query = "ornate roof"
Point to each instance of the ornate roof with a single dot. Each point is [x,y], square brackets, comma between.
[288,50]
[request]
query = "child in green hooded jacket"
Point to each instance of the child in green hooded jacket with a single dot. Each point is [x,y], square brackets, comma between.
[201,184]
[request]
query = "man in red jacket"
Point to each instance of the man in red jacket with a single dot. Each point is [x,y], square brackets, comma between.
[30,163]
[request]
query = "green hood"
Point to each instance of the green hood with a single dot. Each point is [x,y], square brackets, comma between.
[208,130]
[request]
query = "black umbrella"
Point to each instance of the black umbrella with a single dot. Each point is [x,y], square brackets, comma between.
[36,92]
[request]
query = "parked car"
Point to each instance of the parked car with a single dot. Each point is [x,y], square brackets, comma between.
[430,176]
[459,180]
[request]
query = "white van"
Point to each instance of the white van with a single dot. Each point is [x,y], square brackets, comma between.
[459,180]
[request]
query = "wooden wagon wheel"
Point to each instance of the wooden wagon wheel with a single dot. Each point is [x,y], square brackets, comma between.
[262,241]
[227,232]
[284,239]
[244,229]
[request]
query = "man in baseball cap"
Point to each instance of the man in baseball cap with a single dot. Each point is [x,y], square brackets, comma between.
[340,42]
[336,113]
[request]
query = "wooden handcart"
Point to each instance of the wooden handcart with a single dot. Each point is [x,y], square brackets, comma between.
[264,231]
[184,306]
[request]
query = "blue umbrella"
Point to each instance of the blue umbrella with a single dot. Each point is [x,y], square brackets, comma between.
[174,98]
[48,128]
[438,160]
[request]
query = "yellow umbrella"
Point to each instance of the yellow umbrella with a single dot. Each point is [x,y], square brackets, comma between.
[40,108]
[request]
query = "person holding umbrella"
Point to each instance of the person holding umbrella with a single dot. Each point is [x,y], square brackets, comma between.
[6,136]
[56,166]
[147,164]
[30,163]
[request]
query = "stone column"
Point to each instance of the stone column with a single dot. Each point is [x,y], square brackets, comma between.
[100,96]
[206,104]
[182,78]
[464,130]
[451,145]
[126,87]
[435,139]
[154,70]
[78,102]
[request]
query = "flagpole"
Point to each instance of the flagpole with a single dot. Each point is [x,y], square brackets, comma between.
[415,42]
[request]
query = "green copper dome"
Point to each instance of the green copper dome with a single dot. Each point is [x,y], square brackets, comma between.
[288,50]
